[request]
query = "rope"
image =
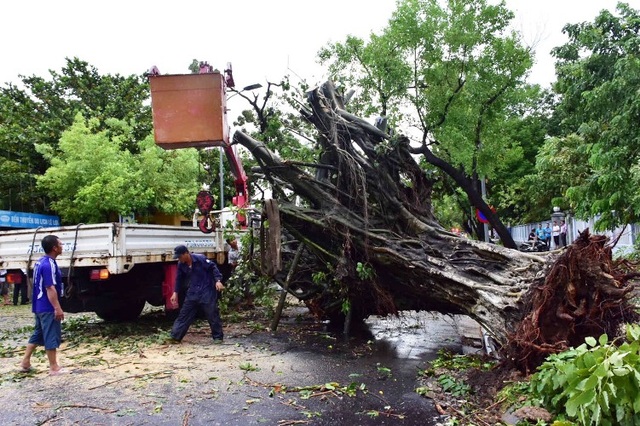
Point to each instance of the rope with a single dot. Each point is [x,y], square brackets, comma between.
[29,283]
[67,293]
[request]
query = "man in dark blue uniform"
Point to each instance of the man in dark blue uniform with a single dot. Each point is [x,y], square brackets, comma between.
[203,280]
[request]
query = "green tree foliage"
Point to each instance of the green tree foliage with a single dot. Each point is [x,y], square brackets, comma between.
[454,73]
[598,72]
[597,383]
[519,200]
[37,111]
[561,164]
[93,179]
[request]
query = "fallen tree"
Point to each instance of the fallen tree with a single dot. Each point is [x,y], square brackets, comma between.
[373,246]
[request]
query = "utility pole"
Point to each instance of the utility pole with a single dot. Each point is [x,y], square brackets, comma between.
[483,186]
[221,180]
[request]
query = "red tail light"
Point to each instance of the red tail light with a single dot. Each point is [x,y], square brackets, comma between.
[14,278]
[99,274]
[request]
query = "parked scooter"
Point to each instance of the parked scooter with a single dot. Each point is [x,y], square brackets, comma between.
[533,246]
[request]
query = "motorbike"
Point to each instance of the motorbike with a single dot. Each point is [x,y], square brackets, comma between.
[533,246]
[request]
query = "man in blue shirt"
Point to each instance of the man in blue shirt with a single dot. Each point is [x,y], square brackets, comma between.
[47,291]
[203,280]
[540,234]
[547,235]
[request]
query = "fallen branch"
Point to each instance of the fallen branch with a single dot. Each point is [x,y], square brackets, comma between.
[91,407]
[294,404]
[293,422]
[390,415]
[185,418]
[469,416]
[137,376]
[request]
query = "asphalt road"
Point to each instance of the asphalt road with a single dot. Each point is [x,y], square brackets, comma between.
[301,375]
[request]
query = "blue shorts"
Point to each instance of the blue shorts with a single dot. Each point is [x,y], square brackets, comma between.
[48,331]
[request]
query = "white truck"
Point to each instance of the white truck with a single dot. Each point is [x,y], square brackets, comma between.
[111,269]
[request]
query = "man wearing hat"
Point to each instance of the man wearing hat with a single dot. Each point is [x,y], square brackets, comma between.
[202,279]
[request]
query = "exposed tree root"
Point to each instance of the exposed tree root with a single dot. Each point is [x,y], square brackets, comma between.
[585,293]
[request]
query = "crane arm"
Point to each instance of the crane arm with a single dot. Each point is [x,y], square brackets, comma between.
[241,199]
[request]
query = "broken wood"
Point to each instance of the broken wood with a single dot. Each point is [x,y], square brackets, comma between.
[285,289]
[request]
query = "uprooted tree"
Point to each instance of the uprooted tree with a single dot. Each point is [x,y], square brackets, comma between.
[371,245]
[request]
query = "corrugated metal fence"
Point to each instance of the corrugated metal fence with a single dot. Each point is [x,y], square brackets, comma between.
[630,233]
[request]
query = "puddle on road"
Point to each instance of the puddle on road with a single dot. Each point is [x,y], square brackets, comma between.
[415,335]
[401,347]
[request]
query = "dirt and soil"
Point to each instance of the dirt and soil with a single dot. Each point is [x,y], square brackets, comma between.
[128,374]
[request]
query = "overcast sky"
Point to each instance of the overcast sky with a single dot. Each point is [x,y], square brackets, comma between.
[263,39]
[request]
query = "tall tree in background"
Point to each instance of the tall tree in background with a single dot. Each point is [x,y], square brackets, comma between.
[452,71]
[92,179]
[518,198]
[40,110]
[598,78]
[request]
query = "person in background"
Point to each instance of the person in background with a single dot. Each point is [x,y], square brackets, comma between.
[234,253]
[555,232]
[540,234]
[204,281]
[20,289]
[563,233]
[532,235]
[4,288]
[233,258]
[47,291]
[547,235]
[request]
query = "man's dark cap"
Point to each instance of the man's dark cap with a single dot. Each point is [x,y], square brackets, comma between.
[179,251]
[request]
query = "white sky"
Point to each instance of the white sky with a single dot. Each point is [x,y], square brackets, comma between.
[261,38]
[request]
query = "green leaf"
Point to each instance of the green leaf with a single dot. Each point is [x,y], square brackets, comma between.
[621,413]
[589,359]
[589,383]
[604,400]
[621,371]
[590,341]
[603,340]
[330,386]
[602,370]
[583,398]
[612,389]
[633,332]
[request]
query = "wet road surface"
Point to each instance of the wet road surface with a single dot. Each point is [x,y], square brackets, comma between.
[300,375]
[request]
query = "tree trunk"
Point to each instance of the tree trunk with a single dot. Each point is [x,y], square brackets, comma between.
[371,241]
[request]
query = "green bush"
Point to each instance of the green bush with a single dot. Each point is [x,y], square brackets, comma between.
[597,383]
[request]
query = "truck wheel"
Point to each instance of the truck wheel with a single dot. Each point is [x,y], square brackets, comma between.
[121,310]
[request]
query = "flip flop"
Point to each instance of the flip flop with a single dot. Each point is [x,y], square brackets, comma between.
[26,369]
[59,372]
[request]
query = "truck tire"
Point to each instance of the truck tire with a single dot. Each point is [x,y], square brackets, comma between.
[121,310]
